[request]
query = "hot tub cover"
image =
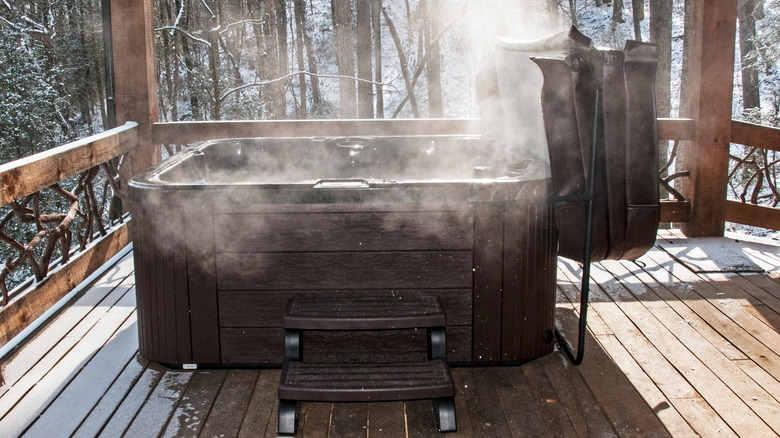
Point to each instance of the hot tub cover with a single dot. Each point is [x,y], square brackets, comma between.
[626,204]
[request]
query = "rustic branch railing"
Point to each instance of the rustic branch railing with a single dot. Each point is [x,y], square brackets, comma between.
[753,176]
[57,204]
[678,209]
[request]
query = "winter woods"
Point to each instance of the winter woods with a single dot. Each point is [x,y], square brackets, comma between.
[275,59]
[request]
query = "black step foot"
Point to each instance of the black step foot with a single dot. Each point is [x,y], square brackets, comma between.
[287,417]
[446,414]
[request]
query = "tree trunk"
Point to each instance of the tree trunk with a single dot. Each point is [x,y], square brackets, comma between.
[376,11]
[268,54]
[402,60]
[661,34]
[345,57]
[617,11]
[189,65]
[573,12]
[433,72]
[280,8]
[365,92]
[299,11]
[638,13]
[166,55]
[747,34]
[316,96]
[684,100]
[216,91]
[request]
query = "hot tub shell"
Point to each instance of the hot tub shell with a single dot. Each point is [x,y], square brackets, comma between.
[216,261]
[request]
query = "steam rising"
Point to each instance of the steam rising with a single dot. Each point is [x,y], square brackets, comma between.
[509,84]
[368,159]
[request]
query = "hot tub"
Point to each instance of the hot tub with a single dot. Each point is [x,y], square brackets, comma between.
[226,232]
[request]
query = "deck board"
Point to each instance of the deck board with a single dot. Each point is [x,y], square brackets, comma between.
[106,407]
[258,413]
[669,353]
[196,403]
[234,397]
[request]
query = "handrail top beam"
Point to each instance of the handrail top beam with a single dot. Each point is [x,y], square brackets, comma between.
[30,174]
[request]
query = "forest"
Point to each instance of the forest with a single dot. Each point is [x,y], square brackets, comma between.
[307,59]
[277,59]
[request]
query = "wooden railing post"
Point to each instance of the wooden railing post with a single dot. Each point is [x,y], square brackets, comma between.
[135,78]
[709,95]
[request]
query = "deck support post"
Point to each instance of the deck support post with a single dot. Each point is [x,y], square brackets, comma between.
[132,23]
[708,93]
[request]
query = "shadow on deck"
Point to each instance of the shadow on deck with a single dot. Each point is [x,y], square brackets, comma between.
[670,351]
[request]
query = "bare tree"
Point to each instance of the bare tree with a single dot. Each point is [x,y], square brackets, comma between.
[299,12]
[433,70]
[280,12]
[376,11]
[661,12]
[404,65]
[365,92]
[638,14]
[316,96]
[345,57]
[747,11]
[617,11]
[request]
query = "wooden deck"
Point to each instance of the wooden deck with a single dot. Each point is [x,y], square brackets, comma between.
[669,352]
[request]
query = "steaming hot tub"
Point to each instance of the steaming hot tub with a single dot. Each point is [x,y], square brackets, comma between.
[227,231]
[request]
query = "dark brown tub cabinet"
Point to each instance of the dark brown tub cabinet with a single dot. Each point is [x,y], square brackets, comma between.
[217,259]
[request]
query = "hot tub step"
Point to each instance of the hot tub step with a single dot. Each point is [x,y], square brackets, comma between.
[365,382]
[370,312]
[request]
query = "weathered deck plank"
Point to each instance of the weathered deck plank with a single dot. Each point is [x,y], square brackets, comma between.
[158,407]
[665,273]
[316,419]
[134,400]
[87,304]
[104,410]
[728,405]
[31,395]
[196,404]
[258,414]
[386,419]
[226,415]
[669,352]
[64,415]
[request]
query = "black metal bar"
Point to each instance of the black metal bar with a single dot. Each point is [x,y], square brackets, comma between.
[585,287]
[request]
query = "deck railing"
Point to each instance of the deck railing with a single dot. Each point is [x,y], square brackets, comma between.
[70,177]
[757,188]
[56,225]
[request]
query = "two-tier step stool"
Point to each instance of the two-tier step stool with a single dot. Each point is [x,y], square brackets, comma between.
[365,382]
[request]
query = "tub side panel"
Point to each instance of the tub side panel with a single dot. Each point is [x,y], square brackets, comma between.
[529,282]
[161,286]
[342,231]
[347,270]
[202,282]
[182,348]
[488,269]
[140,231]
